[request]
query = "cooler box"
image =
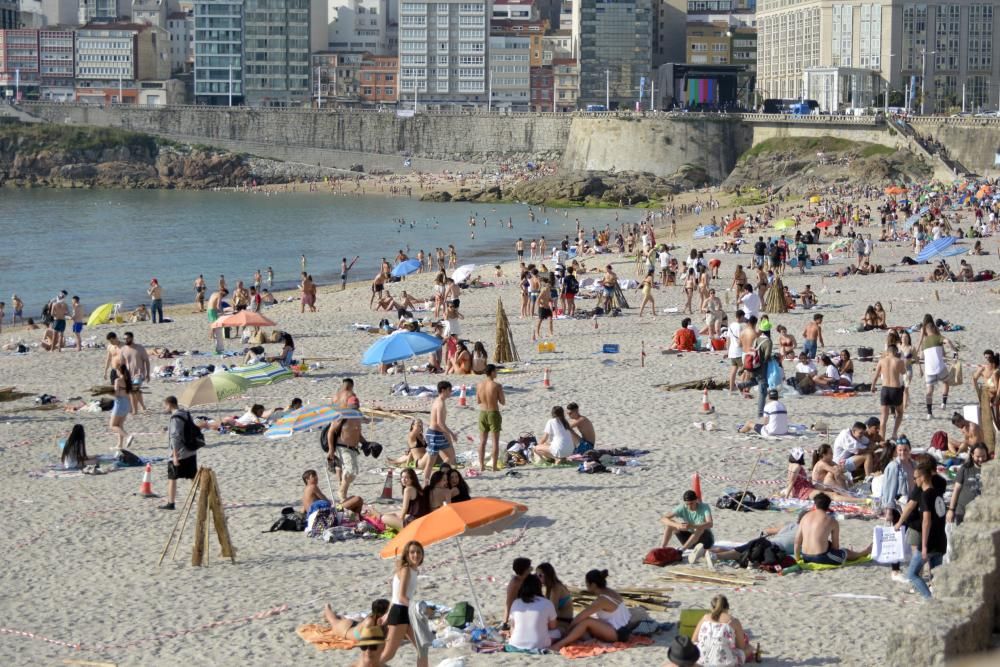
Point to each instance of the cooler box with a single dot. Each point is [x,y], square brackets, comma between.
[971,413]
[610,348]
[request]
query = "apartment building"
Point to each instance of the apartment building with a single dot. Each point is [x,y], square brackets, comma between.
[218,52]
[111,57]
[616,40]
[378,79]
[359,26]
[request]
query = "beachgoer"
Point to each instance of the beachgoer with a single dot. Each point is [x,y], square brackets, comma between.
[346,628]
[584,435]
[416,446]
[972,434]
[74,449]
[558,594]
[489,397]
[736,348]
[647,295]
[437,491]
[776,415]
[344,441]
[314,499]
[137,360]
[813,336]
[851,451]
[183,462]
[404,587]
[968,483]
[557,440]
[414,502]
[931,344]
[199,292]
[122,406]
[544,305]
[155,293]
[933,538]
[440,439]
[522,570]
[58,310]
[532,618]
[684,338]
[605,619]
[817,539]
[461,487]
[77,316]
[692,523]
[892,370]
[720,637]
[214,310]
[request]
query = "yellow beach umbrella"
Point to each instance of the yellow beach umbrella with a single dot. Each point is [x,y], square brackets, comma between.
[815,199]
[101,314]
[784,223]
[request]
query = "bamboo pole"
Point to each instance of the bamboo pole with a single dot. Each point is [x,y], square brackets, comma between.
[186,507]
[219,518]
[746,486]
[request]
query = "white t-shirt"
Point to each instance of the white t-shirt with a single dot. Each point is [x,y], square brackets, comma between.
[751,304]
[832,372]
[735,348]
[807,368]
[560,439]
[934,361]
[846,446]
[530,621]
[664,259]
[777,418]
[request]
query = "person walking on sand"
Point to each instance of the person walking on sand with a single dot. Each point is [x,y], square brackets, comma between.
[155,293]
[199,292]
[489,397]
[440,438]
[647,295]
[182,433]
[137,360]
[77,316]
[891,369]
[544,304]
[122,407]
[813,336]
[404,588]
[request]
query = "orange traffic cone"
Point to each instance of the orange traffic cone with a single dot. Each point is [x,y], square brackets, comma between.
[696,484]
[545,379]
[461,398]
[146,488]
[387,487]
[706,407]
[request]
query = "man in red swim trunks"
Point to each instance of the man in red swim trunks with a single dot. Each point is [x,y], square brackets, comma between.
[713,266]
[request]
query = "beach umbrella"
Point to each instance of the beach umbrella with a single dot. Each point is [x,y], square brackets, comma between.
[933,248]
[895,190]
[463,273]
[784,223]
[815,199]
[212,389]
[823,224]
[405,268]
[244,318]
[705,231]
[735,225]
[101,315]
[478,516]
[953,251]
[263,373]
[305,419]
[839,244]
[400,345]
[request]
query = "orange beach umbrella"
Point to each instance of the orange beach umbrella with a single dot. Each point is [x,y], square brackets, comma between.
[478,516]
[895,190]
[244,318]
[734,225]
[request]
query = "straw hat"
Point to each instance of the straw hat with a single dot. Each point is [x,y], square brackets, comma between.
[371,636]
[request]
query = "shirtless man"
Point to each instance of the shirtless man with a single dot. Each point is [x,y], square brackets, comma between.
[18,307]
[214,309]
[813,335]
[748,336]
[891,369]
[807,297]
[440,438]
[609,282]
[544,303]
[817,539]
[77,316]
[489,397]
[199,291]
[137,361]
[343,444]
[312,493]
[113,355]
[59,311]
[345,394]
[581,427]
[972,434]
[378,284]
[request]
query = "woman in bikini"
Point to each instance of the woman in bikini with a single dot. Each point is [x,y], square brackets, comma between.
[880,316]
[479,358]
[414,502]
[606,619]
[458,484]
[702,285]
[825,471]
[461,361]
[799,484]
[690,283]
[438,492]
[439,295]
[346,628]
[869,320]
[786,342]
[557,593]
[647,295]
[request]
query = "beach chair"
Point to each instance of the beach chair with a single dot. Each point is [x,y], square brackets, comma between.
[689,620]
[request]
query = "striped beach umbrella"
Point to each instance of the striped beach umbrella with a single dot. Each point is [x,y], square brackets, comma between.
[934,248]
[308,418]
[263,373]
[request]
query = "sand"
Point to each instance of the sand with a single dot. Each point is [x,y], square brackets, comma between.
[82,552]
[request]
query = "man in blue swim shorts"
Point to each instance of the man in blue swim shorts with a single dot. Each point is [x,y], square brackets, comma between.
[440,439]
[817,539]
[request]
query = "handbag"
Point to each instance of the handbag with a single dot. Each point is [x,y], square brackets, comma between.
[954,378]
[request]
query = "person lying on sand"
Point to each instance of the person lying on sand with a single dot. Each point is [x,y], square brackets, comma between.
[345,628]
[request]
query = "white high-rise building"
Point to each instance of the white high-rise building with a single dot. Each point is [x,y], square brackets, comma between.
[359,25]
[104,10]
[443,52]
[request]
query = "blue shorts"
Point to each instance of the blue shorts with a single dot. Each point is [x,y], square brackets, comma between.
[809,347]
[436,441]
[59,326]
[121,407]
[831,557]
[77,327]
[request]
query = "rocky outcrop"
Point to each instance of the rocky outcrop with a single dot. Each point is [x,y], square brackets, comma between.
[50,156]
[579,188]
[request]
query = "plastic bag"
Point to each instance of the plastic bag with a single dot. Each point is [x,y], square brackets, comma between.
[775,375]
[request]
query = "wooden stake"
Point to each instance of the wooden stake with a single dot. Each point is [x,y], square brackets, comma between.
[747,485]
[200,542]
[185,509]
[219,519]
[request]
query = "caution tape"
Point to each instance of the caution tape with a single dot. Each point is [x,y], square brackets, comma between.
[756,482]
[848,597]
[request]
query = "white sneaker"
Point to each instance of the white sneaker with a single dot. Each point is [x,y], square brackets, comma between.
[929,416]
[709,561]
[696,553]
[900,578]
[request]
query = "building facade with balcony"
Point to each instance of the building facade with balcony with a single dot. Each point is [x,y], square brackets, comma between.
[378,79]
[218,52]
[180,29]
[616,40]
[510,72]
[443,51]
[20,75]
[566,82]
[359,26]
[111,57]
[276,50]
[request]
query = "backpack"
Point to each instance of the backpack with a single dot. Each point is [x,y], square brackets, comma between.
[460,615]
[128,459]
[571,285]
[662,556]
[290,520]
[751,360]
[323,437]
[194,439]
[730,501]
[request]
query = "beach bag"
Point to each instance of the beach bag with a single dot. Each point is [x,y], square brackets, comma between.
[275,336]
[127,458]
[290,520]
[865,354]
[775,375]
[323,437]
[460,615]
[939,441]
[194,439]
[890,546]
[730,501]
[751,360]
[954,378]
[662,556]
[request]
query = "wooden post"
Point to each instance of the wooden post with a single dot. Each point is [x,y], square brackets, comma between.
[200,536]
[219,518]
[181,520]
[746,486]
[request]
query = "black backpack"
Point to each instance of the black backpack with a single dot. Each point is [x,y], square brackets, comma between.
[194,439]
[324,434]
[290,520]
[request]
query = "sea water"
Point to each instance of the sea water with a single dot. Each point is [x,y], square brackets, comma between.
[106,245]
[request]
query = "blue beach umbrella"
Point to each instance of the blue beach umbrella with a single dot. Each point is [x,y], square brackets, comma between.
[934,248]
[952,251]
[405,268]
[399,346]
[706,231]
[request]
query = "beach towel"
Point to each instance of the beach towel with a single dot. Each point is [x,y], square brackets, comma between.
[322,637]
[592,648]
[819,566]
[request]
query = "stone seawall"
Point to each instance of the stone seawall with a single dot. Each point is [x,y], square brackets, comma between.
[660,145]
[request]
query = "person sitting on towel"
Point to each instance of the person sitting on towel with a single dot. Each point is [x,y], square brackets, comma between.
[776,415]
[343,627]
[818,538]
[314,499]
[684,338]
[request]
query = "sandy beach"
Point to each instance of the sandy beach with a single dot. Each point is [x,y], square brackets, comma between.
[82,581]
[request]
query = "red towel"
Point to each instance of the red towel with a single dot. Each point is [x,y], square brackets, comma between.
[592,648]
[323,638]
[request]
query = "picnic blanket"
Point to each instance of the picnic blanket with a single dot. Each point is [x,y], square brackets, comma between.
[817,567]
[592,648]
[322,637]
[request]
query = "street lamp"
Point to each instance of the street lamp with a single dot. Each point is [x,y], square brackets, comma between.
[923,81]
[888,84]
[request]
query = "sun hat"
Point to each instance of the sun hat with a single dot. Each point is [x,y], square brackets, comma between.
[371,636]
[683,652]
[765,325]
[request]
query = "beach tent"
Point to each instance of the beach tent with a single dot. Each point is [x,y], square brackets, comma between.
[102,314]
